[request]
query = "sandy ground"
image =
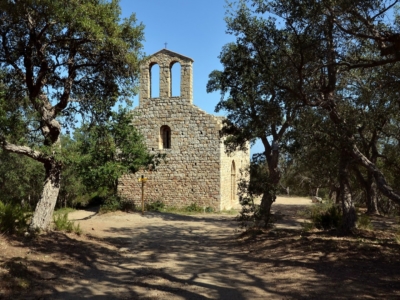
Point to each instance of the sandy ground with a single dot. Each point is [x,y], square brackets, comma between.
[161,254]
[169,256]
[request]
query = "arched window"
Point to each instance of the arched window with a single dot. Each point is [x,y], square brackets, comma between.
[165,137]
[175,71]
[233,181]
[154,80]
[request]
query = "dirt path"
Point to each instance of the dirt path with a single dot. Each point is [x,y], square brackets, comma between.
[168,256]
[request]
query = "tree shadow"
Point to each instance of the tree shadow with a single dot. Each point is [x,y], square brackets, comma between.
[207,263]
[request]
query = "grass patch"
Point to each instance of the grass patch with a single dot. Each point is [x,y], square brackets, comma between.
[194,208]
[61,223]
[64,210]
[364,222]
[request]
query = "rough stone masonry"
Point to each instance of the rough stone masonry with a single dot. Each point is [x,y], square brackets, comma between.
[197,169]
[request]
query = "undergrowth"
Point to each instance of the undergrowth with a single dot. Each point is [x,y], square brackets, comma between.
[13,218]
[61,223]
[364,222]
[323,216]
[159,206]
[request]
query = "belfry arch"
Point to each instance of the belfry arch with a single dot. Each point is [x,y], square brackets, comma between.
[167,62]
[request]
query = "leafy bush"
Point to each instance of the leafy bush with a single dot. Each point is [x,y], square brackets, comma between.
[325,216]
[250,215]
[193,208]
[364,222]
[127,205]
[112,203]
[209,209]
[13,218]
[155,206]
[61,223]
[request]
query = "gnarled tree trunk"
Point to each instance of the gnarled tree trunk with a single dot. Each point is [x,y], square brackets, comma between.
[44,209]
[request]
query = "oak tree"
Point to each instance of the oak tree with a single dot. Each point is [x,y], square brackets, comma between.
[62,59]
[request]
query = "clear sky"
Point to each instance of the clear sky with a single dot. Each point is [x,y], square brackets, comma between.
[194,28]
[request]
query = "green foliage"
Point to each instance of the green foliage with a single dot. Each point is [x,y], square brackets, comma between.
[64,210]
[111,203]
[364,222]
[61,223]
[13,218]
[21,179]
[155,206]
[209,209]
[325,216]
[250,215]
[127,205]
[62,61]
[194,207]
[97,156]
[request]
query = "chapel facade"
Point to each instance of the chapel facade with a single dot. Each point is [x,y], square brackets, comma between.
[197,169]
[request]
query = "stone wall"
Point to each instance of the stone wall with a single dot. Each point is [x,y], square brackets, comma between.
[196,170]
[191,173]
[231,166]
[166,59]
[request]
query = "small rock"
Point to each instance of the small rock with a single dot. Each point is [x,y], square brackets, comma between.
[47,275]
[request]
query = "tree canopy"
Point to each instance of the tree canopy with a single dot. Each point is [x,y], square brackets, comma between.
[61,59]
[293,61]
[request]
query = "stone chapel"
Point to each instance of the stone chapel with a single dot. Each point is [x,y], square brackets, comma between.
[197,169]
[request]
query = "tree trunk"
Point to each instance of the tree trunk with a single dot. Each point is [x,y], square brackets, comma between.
[371,196]
[44,209]
[349,212]
[266,202]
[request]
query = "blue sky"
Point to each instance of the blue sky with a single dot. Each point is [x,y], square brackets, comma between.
[194,28]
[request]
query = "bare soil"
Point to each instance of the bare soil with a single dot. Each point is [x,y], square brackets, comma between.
[206,256]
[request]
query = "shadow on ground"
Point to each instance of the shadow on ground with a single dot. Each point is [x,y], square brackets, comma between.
[202,258]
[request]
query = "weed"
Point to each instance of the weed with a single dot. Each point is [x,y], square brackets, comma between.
[209,209]
[155,206]
[127,205]
[364,222]
[13,218]
[325,216]
[194,207]
[307,226]
[61,223]
[64,210]
[112,203]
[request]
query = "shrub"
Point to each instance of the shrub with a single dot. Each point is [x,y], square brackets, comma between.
[127,205]
[326,216]
[13,218]
[193,208]
[209,209]
[112,203]
[155,206]
[61,223]
[364,222]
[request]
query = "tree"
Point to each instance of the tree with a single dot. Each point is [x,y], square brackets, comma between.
[316,47]
[63,58]
[257,109]
[105,153]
